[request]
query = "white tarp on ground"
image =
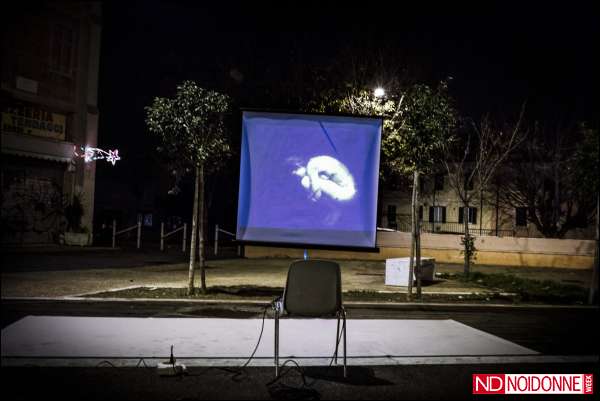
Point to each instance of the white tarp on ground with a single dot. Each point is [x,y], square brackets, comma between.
[205,338]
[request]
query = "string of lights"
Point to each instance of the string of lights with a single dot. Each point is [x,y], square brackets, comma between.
[90,154]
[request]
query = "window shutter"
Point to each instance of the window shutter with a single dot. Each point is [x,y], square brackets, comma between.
[420,213]
[443,214]
[521,216]
[431,214]
[474,219]
[461,215]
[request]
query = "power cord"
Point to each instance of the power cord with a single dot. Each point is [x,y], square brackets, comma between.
[141,361]
[306,386]
[239,371]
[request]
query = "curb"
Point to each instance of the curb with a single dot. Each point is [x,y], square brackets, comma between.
[349,304]
[268,362]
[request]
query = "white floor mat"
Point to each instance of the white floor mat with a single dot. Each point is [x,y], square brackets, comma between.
[206,338]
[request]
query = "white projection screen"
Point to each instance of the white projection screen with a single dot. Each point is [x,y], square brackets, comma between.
[309,179]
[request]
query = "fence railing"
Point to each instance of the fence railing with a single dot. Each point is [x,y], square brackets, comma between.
[164,236]
[220,230]
[125,230]
[459,228]
[404,225]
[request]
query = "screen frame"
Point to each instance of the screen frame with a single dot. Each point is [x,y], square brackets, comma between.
[297,245]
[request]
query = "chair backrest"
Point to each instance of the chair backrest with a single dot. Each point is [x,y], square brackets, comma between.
[313,288]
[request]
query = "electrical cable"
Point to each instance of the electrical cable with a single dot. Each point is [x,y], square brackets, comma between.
[299,368]
[141,361]
[107,363]
[262,328]
[239,371]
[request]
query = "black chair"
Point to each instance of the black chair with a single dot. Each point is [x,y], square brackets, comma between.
[313,289]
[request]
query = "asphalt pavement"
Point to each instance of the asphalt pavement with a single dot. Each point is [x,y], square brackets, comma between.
[433,382]
[569,331]
[560,331]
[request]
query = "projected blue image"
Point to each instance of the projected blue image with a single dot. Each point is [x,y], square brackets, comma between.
[309,179]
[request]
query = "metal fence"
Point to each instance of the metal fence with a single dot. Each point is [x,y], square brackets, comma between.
[403,224]
[225,239]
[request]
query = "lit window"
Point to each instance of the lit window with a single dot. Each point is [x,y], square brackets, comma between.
[472,215]
[437,214]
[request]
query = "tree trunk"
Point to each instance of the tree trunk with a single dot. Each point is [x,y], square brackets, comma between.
[467,267]
[411,268]
[193,239]
[417,238]
[201,233]
[480,211]
[497,207]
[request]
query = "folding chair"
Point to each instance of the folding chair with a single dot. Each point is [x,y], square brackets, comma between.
[313,289]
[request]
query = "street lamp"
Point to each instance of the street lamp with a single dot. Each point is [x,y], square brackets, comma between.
[379,92]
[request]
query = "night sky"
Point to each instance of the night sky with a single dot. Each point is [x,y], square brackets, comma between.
[497,58]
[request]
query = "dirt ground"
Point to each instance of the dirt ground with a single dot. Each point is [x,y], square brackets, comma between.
[356,275]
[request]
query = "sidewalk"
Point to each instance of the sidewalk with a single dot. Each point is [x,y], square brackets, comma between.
[356,276]
[59,274]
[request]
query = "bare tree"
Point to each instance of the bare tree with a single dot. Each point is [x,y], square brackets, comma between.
[548,180]
[486,146]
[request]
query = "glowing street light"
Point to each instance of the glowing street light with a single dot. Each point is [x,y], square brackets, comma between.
[379,92]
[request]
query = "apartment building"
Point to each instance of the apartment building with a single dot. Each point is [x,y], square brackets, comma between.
[48,100]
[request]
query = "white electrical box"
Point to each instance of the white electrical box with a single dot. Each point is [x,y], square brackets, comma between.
[397,270]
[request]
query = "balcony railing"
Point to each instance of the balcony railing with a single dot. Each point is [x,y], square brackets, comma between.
[402,223]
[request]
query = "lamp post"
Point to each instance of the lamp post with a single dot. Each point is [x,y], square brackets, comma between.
[379,92]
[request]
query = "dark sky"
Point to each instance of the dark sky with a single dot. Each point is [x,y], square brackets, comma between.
[497,58]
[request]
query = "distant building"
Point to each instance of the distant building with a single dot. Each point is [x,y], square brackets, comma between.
[441,211]
[48,100]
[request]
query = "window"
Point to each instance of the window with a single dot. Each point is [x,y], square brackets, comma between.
[437,214]
[521,216]
[439,182]
[472,215]
[62,51]
[391,216]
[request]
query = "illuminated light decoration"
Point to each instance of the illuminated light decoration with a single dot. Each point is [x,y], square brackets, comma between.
[89,154]
[379,92]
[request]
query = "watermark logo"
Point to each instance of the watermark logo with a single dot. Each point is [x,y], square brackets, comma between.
[533,383]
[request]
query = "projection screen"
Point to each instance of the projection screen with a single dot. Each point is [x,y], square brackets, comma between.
[309,179]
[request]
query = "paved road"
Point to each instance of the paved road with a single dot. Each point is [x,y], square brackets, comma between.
[552,331]
[390,382]
[100,258]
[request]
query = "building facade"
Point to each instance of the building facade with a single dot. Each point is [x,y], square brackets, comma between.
[48,100]
[441,211]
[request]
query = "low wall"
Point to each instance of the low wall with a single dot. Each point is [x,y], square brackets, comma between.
[445,248]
